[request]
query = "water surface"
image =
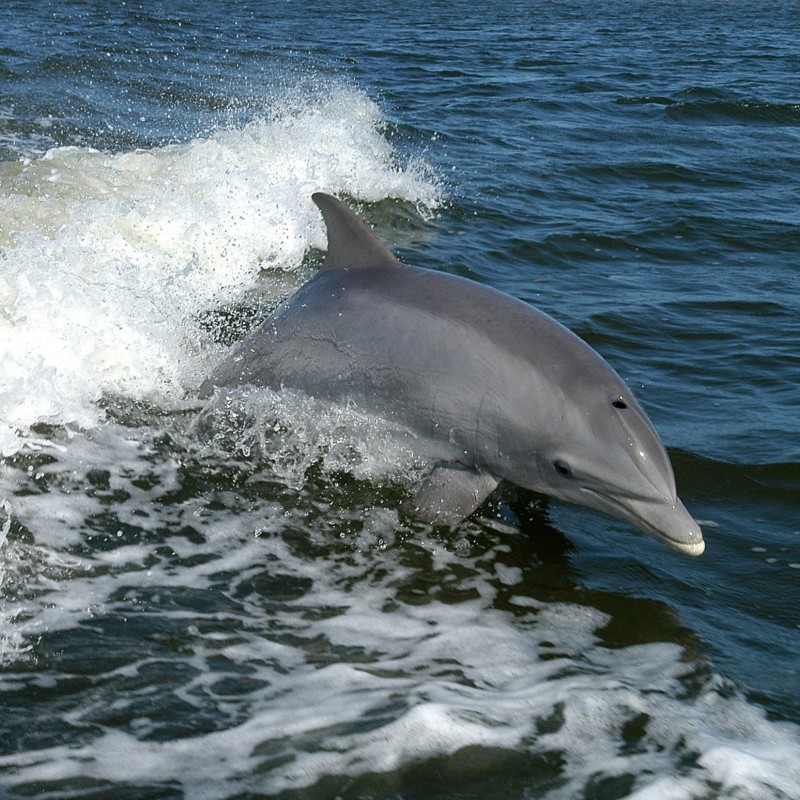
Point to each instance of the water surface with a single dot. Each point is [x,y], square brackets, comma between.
[219,599]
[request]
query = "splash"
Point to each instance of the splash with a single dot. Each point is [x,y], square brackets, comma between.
[109,261]
[12,640]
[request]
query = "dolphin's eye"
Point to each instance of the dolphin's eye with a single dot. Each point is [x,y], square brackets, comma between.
[562,468]
[619,403]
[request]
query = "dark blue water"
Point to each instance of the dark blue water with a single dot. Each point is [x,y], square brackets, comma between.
[220,600]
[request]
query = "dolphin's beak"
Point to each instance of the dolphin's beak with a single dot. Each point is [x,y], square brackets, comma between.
[666,520]
[671,523]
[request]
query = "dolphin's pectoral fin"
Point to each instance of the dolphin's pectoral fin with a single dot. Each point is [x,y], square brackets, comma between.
[451,492]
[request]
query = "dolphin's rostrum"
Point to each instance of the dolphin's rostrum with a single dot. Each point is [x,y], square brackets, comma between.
[492,388]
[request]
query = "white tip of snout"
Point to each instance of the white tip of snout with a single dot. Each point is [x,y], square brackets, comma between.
[696,548]
[676,527]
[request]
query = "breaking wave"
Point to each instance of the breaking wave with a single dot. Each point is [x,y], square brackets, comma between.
[110,261]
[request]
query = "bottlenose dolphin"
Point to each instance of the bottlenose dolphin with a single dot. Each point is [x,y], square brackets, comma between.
[490,387]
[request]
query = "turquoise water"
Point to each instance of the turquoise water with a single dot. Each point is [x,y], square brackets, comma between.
[218,599]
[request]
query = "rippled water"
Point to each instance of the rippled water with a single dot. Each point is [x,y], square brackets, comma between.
[219,599]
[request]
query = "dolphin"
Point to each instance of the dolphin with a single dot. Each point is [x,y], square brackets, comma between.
[491,388]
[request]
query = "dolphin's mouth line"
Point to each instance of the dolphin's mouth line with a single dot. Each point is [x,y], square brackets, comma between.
[621,495]
[687,547]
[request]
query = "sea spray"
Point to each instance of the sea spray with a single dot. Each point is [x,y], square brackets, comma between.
[111,260]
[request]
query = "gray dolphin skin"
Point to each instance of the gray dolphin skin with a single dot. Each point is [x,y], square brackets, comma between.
[490,388]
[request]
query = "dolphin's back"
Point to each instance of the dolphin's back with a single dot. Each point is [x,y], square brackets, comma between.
[368,323]
[431,350]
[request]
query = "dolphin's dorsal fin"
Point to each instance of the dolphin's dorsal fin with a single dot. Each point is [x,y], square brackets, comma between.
[350,242]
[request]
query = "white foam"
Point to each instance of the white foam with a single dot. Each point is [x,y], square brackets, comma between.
[110,260]
[348,679]
[13,644]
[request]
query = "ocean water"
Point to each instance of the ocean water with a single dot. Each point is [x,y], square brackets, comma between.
[218,599]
